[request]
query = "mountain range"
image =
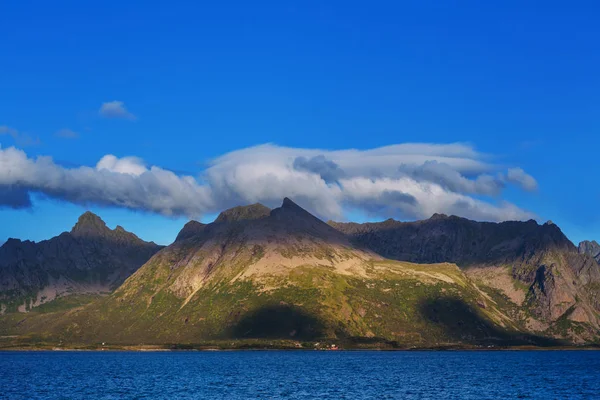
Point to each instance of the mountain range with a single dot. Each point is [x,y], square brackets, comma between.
[257,274]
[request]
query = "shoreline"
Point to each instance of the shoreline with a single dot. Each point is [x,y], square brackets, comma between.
[154,349]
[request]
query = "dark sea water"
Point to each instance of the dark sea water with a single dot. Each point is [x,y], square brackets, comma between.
[300,375]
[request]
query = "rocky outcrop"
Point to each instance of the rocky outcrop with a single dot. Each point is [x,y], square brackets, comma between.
[591,248]
[91,258]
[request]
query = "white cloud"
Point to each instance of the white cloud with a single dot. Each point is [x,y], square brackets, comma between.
[428,198]
[126,165]
[521,178]
[115,109]
[405,181]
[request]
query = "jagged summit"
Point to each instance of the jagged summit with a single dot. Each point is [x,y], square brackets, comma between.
[296,219]
[89,224]
[288,203]
[288,207]
[241,213]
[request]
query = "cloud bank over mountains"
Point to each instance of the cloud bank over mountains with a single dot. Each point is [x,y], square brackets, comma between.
[410,181]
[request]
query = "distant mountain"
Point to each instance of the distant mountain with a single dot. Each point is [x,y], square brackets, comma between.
[283,274]
[90,259]
[552,286]
[591,248]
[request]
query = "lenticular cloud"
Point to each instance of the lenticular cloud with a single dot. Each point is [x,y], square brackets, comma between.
[405,181]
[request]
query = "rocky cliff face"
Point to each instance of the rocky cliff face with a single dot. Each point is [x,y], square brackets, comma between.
[591,248]
[91,258]
[556,281]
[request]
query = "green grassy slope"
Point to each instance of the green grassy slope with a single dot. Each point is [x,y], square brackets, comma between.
[401,304]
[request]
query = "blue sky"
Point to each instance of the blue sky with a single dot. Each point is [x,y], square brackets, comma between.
[516,83]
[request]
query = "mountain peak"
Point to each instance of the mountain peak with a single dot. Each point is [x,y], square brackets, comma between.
[438,216]
[288,203]
[190,229]
[13,242]
[297,219]
[89,224]
[241,213]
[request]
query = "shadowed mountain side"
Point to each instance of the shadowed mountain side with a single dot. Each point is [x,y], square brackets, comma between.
[277,322]
[91,258]
[457,240]
[460,322]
